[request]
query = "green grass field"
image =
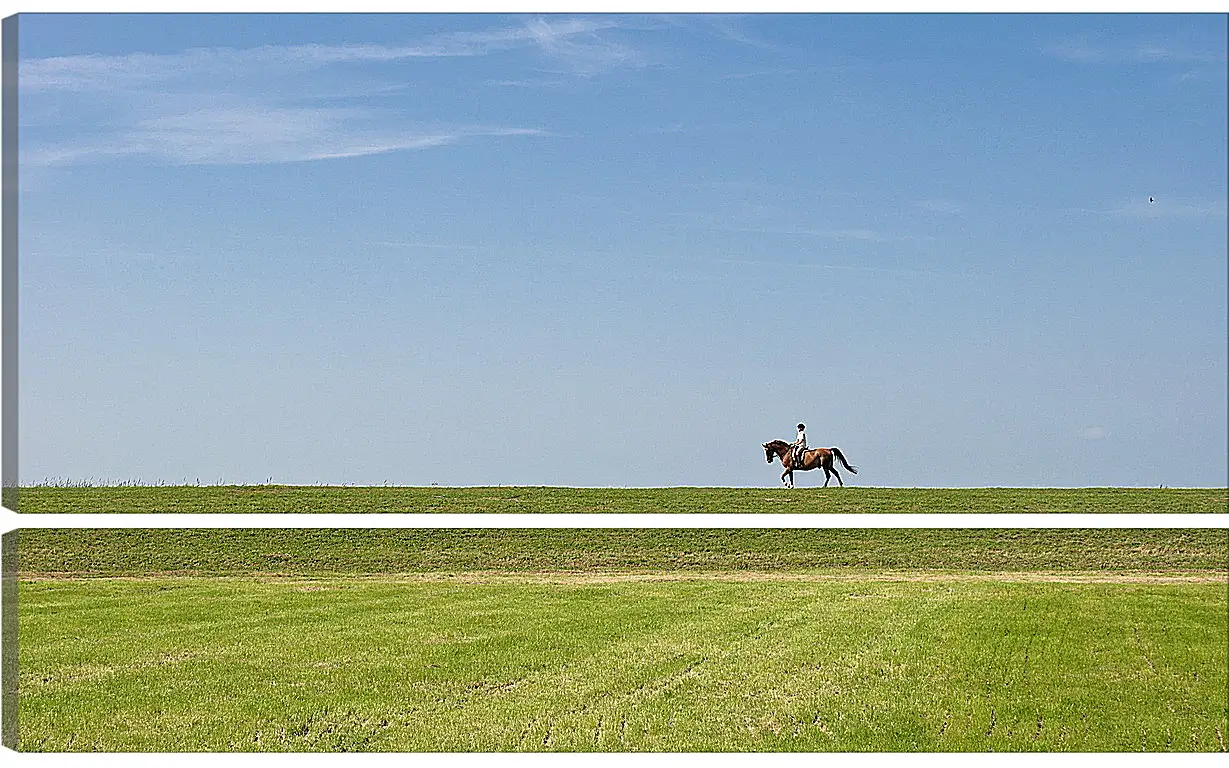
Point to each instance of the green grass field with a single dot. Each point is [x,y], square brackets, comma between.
[551,500]
[612,640]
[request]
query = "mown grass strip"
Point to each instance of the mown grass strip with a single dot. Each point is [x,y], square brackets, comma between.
[553,500]
[120,552]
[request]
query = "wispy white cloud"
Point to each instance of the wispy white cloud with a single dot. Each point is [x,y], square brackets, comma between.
[576,41]
[1173,53]
[672,128]
[528,82]
[1167,208]
[864,235]
[867,235]
[1203,73]
[1095,432]
[729,27]
[254,133]
[238,135]
[824,266]
[945,207]
[577,44]
[1197,65]
[1082,50]
[1075,50]
[416,245]
[272,104]
[777,72]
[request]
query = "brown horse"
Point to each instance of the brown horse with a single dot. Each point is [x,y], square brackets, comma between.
[816,458]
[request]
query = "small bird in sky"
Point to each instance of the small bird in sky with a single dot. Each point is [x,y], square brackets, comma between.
[1150,199]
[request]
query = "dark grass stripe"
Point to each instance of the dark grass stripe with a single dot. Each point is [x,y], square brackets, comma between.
[115,552]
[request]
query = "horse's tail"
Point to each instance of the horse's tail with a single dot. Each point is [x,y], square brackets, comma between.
[841,456]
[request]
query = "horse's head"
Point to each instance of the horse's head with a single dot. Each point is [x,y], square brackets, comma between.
[769,452]
[775,449]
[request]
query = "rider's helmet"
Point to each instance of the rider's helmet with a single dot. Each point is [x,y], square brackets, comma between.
[802,426]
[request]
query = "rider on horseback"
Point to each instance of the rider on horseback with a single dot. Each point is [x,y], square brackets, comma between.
[800,446]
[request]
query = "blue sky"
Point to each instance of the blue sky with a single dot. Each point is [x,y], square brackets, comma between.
[623,250]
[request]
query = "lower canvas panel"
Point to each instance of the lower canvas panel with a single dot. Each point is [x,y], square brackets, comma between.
[618,640]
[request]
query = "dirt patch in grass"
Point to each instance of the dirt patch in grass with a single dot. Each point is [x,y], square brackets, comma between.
[744,576]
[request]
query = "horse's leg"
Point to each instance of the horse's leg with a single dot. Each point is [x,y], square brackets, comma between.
[827,475]
[838,477]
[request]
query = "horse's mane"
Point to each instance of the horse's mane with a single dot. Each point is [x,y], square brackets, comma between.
[777,444]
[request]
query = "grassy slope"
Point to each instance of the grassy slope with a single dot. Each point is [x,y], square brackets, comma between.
[325,499]
[116,552]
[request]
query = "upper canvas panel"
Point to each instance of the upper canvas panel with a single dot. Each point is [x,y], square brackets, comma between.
[257,256]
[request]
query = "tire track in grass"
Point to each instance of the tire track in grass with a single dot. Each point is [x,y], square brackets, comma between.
[644,692]
[610,705]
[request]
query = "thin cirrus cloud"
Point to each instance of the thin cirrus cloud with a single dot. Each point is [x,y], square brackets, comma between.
[944,207]
[1147,52]
[1198,64]
[255,134]
[1095,432]
[1168,208]
[217,105]
[856,234]
[578,41]
[578,47]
